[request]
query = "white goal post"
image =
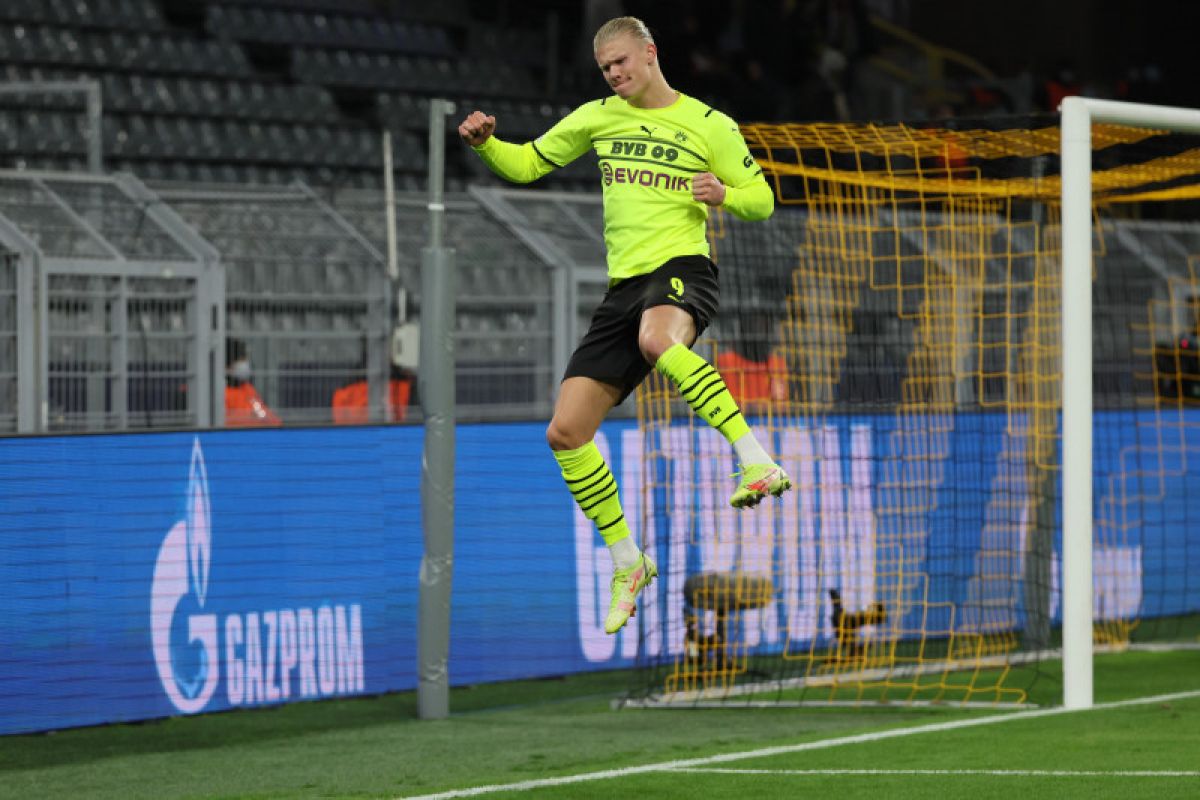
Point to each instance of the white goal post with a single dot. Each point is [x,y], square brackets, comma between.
[1078,114]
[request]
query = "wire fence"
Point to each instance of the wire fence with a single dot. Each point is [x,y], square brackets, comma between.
[181,305]
[306,301]
[504,333]
[122,337]
[110,316]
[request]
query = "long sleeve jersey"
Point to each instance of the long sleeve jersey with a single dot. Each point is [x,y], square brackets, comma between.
[647,159]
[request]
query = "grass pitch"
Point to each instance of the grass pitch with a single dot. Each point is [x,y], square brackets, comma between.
[536,730]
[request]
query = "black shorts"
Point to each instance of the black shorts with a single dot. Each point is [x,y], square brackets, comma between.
[609,351]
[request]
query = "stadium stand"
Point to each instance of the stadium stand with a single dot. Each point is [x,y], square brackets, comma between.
[227,93]
[303,290]
[504,337]
[259,91]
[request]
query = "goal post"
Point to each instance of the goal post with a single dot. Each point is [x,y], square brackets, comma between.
[981,486]
[1078,115]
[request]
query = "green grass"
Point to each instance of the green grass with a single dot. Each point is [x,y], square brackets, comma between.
[375,747]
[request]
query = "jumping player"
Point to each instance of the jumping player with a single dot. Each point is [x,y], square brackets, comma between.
[665,159]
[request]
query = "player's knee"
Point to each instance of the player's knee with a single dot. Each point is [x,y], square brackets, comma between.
[559,437]
[653,344]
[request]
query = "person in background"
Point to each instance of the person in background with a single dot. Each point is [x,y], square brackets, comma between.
[244,408]
[351,403]
[753,369]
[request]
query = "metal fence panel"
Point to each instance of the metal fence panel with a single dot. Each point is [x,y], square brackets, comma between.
[32,207]
[305,297]
[118,331]
[120,352]
[505,331]
[9,264]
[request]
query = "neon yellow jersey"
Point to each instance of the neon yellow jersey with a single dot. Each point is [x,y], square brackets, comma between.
[647,159]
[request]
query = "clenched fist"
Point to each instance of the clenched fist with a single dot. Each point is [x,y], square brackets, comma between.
[707,189]
[476,128]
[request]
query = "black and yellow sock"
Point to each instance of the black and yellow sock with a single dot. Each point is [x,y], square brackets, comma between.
[595,489]
[704,389]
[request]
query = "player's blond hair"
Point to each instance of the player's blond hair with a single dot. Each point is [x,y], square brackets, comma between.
[622,26]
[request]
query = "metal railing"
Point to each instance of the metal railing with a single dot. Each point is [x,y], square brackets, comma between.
[306,296]
[506,326]
[117,300]
[117,306]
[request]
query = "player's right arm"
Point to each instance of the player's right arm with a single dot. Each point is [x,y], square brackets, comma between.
[522,163]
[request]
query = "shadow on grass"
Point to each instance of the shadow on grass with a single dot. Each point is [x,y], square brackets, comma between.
[230,728]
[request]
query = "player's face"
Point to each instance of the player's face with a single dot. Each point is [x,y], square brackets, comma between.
[626,64]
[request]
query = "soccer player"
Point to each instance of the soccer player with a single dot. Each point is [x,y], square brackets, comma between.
[665,159]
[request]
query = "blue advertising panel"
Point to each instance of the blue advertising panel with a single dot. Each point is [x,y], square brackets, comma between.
[148,575]
[155,574]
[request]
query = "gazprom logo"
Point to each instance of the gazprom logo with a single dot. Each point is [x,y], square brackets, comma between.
[184,636]
[267,655]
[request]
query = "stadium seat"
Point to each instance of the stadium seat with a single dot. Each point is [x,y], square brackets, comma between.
[152,72]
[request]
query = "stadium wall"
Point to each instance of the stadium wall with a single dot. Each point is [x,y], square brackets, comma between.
[146,575]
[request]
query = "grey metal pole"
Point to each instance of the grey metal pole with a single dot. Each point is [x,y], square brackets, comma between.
[27,351]
[390,320]
[389,205]
[119,354]
[95,122]
[28,266]
[436,381]
[211,350]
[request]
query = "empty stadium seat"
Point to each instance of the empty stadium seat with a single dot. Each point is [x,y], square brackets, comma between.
[169,90]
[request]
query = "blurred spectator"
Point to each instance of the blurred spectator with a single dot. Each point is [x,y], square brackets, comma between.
[953,161]
[1143,83]
[754,371]
[243,406]
[351,403]
[1063,83]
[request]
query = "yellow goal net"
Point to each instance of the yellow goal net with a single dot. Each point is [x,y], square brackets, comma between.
[893,334]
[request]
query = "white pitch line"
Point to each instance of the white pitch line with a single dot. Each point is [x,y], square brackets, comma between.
[763,752]
[1004,773]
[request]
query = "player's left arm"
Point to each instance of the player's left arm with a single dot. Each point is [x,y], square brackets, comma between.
[740,186]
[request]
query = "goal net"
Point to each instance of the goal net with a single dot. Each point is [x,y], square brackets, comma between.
[893,333]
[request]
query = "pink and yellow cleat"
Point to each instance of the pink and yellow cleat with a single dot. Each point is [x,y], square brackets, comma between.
[626,584]
[758,481]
